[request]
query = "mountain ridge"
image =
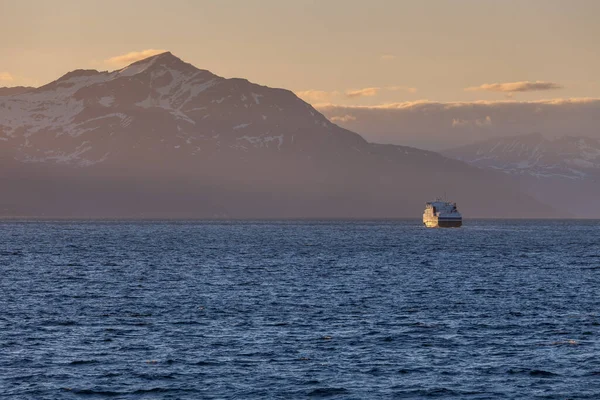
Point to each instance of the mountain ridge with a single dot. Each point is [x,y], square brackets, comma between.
[10,91]
[571,157]
[562,171]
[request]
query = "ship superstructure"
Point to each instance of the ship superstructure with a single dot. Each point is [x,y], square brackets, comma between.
[441,214]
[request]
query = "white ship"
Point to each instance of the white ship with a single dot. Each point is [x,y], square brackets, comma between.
[441,214]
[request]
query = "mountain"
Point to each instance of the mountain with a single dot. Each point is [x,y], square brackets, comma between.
[161,138]
[565,157]
[9,91]
[161,107]
[563,172]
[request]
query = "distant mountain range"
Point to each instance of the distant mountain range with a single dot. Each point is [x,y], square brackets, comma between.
[534,155]
[161,138]
[8,91]
[563,172]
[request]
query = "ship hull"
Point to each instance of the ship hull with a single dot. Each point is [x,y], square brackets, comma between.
[450,224]
[440,223]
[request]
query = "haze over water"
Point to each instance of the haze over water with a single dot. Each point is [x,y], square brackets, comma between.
[496,309]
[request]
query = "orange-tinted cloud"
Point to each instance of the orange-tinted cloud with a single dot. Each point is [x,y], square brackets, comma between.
[402,89]
[316,96]
[126,59]
[464,104]
[366,92]
[511,87]
[322,97]
[6,77]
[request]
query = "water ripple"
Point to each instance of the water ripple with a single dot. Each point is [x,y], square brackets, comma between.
[349,310]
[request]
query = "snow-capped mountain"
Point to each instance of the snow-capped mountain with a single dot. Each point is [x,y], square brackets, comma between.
[565,157]
[162,138]
[563,172]
[93,116]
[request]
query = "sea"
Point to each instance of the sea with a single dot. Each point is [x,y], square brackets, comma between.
[497,309]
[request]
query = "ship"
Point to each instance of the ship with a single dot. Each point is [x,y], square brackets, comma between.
[441,214]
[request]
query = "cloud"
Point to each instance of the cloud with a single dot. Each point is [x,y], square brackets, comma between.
[322,97]
[387,57]
[402,88]
[457,104]
[366,92]
[443,125]
[512,87]
[317,96]
[126,59]
[344,118]
[6,77]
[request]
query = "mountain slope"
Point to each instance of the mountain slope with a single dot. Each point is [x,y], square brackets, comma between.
[566,157]
[161,138]
[563,172]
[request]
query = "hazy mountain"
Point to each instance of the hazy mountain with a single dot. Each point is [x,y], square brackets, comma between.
[563,172]
[9,91]
[566,157]
[161,138]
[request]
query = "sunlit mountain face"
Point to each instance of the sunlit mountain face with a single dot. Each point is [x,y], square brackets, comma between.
[162,138]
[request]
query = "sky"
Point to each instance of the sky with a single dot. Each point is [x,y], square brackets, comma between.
[429,73]
[345,52]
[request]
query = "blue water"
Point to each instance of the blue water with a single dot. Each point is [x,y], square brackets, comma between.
[352,310]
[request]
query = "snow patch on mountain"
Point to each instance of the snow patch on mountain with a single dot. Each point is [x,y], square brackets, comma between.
[137,68]
[256,97]
[263,141]
[63,157]
[241,126]
[107,101]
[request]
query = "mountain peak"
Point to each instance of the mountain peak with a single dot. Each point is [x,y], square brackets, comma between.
[165,60]
[165,56]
